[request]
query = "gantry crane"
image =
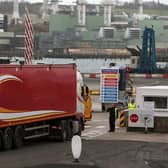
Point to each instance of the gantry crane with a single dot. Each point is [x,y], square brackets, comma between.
[148,52]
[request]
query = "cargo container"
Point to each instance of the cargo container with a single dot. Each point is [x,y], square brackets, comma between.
[38,101]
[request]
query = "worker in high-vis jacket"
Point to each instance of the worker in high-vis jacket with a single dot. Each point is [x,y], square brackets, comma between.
[132,105]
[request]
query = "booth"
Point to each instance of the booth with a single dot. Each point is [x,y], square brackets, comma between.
[152,108]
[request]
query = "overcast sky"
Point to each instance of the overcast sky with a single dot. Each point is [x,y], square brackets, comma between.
[98,1]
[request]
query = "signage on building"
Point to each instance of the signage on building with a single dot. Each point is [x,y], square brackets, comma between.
[109,80]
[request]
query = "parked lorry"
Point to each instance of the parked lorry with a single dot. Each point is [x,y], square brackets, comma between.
[39,100]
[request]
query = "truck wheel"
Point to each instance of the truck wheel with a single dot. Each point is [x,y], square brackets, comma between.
[77,127]
[63,133]
[69,130]
[18,137]
[80,128]
[8,138]
[1,140]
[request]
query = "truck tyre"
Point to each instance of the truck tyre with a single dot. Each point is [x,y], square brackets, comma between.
[18,137]
[8,138]
[80,128]
[69,130]
[63,133]
[1,140]
[77,127]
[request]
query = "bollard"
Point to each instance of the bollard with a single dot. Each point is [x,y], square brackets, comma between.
[76,146]
[122,120]
[146,120]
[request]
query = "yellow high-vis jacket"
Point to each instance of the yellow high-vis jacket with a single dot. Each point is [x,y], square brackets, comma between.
[131,106]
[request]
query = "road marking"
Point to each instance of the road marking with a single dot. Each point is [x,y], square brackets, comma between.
[101,126]
[88,126]
[94,132]
[105,120]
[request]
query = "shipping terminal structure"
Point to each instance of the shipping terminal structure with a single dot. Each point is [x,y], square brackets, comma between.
[38,101]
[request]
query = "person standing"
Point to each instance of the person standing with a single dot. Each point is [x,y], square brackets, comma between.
[132,105]
[111,111]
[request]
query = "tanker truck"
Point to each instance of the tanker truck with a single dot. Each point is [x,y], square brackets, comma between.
[39,100]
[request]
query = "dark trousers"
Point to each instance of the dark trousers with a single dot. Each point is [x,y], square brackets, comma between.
[112,123]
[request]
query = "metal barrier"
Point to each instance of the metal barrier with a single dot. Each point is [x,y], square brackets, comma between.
[95,92]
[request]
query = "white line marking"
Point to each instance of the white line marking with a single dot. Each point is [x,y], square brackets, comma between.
[105,120]
[101,126]
[87,126]
[93,134]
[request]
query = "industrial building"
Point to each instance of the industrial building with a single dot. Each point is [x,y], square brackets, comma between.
[85,32]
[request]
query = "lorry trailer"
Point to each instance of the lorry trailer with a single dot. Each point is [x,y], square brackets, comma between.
[39,100]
